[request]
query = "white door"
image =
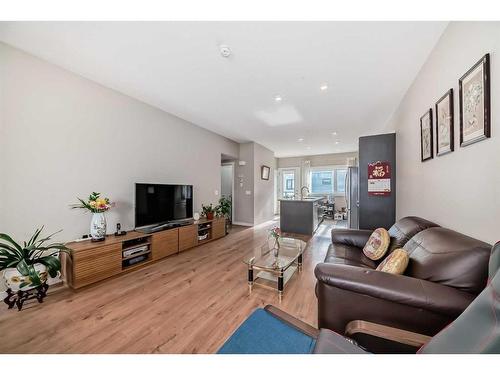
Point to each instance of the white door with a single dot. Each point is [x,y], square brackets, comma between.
[288,183]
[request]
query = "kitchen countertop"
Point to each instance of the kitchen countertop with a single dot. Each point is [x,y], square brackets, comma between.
[311,199]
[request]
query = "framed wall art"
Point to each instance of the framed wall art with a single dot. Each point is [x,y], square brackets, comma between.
[264,172]
[444,124]
[474,99]
[426,151]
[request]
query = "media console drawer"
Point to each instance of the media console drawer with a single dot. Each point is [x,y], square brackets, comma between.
[165,243]
[96,264]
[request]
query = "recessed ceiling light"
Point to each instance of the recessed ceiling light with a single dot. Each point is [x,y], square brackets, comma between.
[337,142]
[278,98]
[334,133]
[323,87]
[300,139]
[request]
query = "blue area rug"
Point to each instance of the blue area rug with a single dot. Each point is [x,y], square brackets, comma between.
[262,333]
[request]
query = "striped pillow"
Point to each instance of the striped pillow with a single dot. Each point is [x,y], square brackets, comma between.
[395,263]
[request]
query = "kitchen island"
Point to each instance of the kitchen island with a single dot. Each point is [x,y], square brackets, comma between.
[301,216]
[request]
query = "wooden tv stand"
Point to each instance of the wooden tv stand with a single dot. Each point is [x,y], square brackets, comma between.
[90,262]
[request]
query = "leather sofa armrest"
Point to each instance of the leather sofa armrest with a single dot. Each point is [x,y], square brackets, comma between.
[399,289]
[293,321]
[401,336]
[351,237]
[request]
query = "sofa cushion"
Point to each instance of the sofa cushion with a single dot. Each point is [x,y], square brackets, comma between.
[376,246]
[348,255]
[406,228]
[450,258]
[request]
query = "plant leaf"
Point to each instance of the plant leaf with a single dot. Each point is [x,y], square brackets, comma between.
[34,277]
[35,236]
[8,239]
[52,263]
[23,267]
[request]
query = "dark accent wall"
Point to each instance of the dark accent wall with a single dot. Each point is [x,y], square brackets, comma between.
[376,211]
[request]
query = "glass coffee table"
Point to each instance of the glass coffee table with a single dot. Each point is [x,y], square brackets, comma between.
[275,268]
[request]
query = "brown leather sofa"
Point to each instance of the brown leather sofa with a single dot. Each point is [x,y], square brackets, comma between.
[447,270]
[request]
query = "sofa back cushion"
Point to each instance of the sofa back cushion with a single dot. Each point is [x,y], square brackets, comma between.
[447,257]
[406,228]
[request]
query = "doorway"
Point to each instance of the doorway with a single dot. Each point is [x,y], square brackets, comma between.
[288,182]
[227,184]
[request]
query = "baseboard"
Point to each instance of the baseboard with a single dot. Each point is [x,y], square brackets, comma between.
[242,224]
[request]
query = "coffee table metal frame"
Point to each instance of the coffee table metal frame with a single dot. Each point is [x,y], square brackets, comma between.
[279,272]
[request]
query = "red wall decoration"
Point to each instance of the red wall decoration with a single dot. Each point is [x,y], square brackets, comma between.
[379,178]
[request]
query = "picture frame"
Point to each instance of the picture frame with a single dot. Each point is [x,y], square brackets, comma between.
[265,171]
[426,136]
[474,103]
[445,123]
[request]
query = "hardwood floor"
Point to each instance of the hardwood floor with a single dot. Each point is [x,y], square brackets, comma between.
[187,303]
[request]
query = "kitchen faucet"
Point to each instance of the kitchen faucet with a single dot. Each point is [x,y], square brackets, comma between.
[302,191]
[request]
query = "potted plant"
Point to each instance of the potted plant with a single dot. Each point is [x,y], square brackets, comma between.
[27,266]
[98,206]
[208,211]
[224,210]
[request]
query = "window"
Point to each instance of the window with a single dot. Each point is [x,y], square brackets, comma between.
[322,182]
[328,180]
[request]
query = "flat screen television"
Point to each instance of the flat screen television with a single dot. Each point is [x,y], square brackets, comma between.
[158,203]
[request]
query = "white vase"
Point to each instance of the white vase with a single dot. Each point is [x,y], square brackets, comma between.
[98,226]
[14,279]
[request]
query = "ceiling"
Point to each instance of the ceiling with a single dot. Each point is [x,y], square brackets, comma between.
[178,67]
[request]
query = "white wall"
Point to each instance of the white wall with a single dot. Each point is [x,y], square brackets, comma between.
[317,160]
[263,189]
[243,204]
[63,136]
[258,206]
[460,190]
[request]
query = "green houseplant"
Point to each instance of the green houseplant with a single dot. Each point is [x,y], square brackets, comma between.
[208,211]
[224,209]
[27,265]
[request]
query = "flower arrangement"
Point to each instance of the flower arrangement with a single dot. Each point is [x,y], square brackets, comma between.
[275,233]
[95,203]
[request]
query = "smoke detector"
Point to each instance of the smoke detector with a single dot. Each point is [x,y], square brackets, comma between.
[225,51]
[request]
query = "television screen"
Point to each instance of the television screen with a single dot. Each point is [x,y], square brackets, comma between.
[155,203]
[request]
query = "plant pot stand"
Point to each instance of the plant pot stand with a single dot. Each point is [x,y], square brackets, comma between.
[18,298]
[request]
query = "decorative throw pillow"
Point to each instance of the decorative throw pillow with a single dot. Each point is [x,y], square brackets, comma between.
[395,263]
[377,244]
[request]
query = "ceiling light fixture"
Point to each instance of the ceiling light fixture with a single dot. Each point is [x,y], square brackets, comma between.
[308,147]
[337,142]
[300,139]
[323,87]
[334,133]
[278,98]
